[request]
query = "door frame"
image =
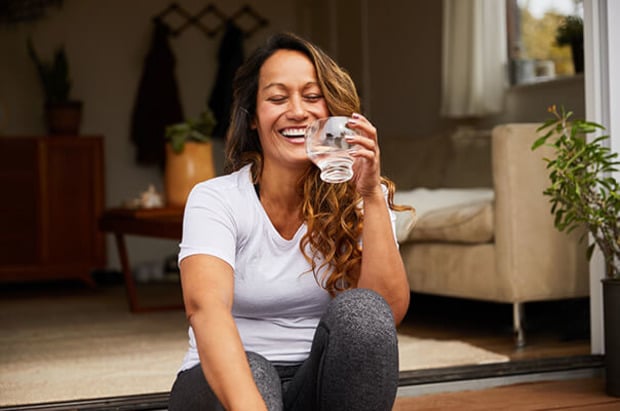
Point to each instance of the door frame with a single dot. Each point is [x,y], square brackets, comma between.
[602,93]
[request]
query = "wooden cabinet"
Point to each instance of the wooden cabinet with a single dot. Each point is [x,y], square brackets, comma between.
[51,196]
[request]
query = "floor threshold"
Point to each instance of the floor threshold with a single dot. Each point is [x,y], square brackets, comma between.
[454,379]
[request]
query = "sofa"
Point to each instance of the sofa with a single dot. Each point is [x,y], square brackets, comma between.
[483,229]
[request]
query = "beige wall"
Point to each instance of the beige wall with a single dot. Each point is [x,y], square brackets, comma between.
[392,48]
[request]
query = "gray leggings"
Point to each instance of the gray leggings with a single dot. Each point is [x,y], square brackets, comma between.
[353,365]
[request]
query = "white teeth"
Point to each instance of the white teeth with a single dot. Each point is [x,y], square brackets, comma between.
[294,132]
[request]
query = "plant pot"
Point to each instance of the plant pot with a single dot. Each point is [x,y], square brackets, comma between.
[64,118]
[186,169]
[577,53]
[611,312]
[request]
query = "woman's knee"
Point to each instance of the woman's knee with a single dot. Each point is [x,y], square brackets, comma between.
[192,392]
[267,380]
[361,314]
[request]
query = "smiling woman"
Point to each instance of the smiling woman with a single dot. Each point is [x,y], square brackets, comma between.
[299,284]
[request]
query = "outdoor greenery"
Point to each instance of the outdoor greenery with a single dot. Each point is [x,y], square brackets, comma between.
[538,41]
[199,130]
[570,31]
[54,75]
[583,191]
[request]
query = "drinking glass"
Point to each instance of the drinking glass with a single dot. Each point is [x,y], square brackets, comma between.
[328,149]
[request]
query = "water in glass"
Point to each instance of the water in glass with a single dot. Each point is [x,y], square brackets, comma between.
[328,149]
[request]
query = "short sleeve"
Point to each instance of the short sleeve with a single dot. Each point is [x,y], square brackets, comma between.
[209,225]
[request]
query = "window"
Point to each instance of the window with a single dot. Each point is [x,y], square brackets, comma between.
[545,39]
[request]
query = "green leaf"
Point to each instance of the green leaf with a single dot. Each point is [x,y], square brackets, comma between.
[198,130]
[540,141]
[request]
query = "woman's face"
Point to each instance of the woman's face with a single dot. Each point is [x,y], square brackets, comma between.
[288,100]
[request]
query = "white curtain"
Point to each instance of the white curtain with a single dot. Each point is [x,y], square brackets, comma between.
[474,74]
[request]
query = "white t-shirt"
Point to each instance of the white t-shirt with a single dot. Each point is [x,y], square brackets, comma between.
[277,301]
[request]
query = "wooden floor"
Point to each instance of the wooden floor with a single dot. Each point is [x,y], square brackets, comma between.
[588,394]
[553,329]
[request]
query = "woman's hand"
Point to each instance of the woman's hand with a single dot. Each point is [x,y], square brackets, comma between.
[366,168]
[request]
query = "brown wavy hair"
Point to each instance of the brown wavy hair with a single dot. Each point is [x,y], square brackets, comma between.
[332,212]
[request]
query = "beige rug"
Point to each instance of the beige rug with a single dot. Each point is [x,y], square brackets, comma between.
[417,354]
[87,347]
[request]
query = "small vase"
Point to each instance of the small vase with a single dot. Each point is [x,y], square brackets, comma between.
[186,169]
[611,319]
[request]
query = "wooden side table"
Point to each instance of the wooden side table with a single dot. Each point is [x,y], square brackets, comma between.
[157,222]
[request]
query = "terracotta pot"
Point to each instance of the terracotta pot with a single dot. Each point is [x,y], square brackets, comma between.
[186,169]
[64,118]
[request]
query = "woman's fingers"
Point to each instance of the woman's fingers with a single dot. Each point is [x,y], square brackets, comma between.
[366,140]
[361,123]
[366,153]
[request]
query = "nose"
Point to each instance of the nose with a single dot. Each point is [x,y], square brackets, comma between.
[297,109]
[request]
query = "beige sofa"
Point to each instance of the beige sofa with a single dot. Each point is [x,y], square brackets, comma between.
[484,229]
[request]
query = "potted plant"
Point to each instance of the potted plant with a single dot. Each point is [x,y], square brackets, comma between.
[63,115]
[189,157]
[584,193]
[570,33]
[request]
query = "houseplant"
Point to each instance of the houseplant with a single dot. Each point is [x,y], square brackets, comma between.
[570,33]
[584,193]
[63,115]
[189,157]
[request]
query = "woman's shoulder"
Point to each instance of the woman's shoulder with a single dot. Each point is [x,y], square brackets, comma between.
[227,191]
[235,182]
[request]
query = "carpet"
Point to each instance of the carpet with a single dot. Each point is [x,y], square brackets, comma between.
[90,346]
[417,354]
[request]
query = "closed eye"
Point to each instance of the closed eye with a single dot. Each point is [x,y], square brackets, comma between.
[277,99]
[313,97]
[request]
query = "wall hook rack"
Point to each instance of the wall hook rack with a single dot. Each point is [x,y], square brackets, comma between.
[211,11]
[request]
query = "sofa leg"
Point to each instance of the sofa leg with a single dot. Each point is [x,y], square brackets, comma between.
[517,318]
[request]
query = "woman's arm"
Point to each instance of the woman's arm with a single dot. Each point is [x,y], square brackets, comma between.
[382,267]
[207,284]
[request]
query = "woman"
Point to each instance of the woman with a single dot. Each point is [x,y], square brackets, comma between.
[286,311]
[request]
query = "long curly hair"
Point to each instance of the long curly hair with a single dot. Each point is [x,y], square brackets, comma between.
[332,212]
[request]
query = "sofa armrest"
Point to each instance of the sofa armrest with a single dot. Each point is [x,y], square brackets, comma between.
[532,255]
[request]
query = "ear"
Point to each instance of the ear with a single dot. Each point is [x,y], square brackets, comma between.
[253,124]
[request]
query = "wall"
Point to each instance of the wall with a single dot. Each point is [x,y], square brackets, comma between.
[106,42]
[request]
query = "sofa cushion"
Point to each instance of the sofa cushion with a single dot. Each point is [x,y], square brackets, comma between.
[446,215]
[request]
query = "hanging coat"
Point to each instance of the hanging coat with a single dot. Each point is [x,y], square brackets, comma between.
[157,103]
[230,57]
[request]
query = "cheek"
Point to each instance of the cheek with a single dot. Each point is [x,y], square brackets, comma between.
[265,118]
[321,110]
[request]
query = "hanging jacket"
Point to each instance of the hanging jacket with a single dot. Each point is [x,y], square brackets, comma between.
[230,57]
[157,103]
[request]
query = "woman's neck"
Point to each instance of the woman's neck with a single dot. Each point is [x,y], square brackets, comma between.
[281,199]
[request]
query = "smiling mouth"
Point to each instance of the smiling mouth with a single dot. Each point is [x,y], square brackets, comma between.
[296,132]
